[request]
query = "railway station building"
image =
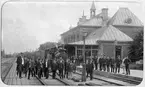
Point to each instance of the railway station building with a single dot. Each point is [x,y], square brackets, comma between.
[105,35]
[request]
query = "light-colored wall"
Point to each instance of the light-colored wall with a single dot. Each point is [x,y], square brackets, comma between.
[76,32]
[125,50]
[109,49]
[130,31]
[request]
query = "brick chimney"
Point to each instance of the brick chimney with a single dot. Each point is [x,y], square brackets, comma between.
[83,19]
[105,14]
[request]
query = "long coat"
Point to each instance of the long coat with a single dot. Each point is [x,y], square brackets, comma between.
[19,64]
[90,67]
[54,66]
[19,60]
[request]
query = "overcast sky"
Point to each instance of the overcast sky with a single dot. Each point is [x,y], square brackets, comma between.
[28,24]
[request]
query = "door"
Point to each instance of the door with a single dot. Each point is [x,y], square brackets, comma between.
[118,51]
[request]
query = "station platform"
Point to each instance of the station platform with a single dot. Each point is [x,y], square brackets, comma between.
[13,79]
[133,73]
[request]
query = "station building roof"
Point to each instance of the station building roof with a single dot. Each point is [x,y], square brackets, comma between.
[107,33]
[111,34]
[124,17]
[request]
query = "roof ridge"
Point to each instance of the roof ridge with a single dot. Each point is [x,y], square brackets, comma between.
[122,13]
[113,18]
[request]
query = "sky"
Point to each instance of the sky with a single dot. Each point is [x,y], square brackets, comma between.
[26,25]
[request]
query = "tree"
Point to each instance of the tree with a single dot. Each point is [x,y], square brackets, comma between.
[136,47]
[47,45]
[2,53]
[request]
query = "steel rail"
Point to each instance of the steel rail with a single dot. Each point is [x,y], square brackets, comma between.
[103,80]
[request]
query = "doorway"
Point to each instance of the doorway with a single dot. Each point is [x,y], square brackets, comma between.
[118,50]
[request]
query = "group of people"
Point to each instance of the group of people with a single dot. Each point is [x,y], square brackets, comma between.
[111,64]
[26,66]
[44,67]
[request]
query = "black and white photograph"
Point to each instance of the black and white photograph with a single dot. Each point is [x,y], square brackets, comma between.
[72,42]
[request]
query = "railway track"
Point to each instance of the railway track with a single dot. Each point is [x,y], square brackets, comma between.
[56,80]
[6,67]
[106,81]
[132,81]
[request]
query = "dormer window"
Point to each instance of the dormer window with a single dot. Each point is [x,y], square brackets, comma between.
[128,20]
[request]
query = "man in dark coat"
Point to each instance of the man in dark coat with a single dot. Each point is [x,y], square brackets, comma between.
[112,64]
[96,62]
[33,67]
[108,64]
[20,64]
[104,63]
[26,66]
[100,63]
[54,68]
[40,66]
[90,68]
[36,67]
[118,63]
[67,68]
[30,68]
[46,68]
[61,68]
[87,67]
[127,61]
[43,67]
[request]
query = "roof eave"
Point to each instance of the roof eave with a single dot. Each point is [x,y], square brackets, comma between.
[69,30]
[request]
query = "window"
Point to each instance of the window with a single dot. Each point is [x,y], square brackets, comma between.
[128,20]
[94,52]
[77,37]
[88,47]
[80,47]
[94,47]
[74,38]
[88,53]
[79,52]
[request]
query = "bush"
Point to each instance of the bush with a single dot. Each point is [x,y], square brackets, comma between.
[136,66]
